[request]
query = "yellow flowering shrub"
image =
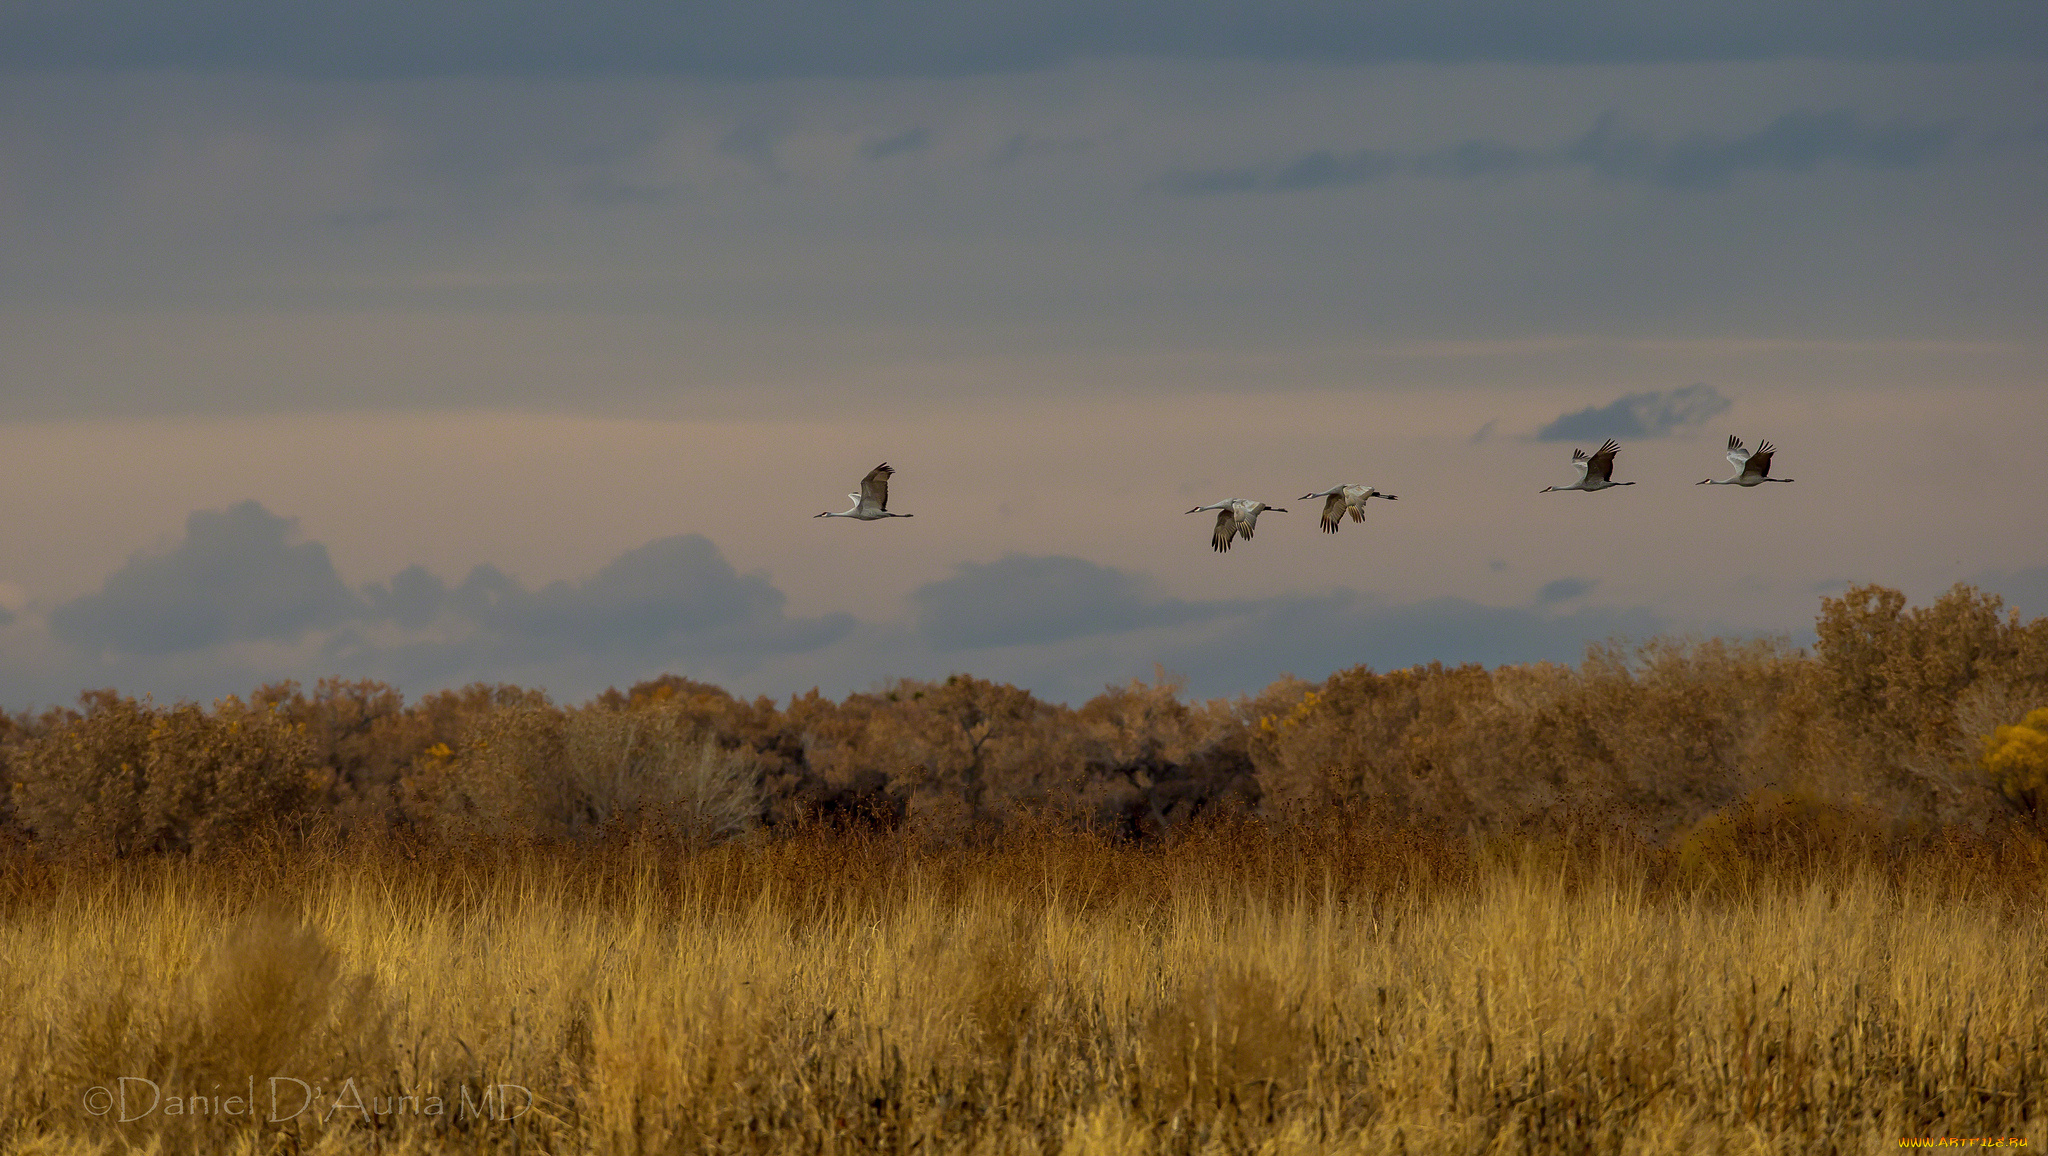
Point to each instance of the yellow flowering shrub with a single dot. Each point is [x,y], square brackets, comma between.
[2016,758]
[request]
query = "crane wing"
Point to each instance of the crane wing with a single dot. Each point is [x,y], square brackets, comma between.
[874,489]
[1601,465]
[1226,528]
[1333,512]
[1737,455]
[1759,463]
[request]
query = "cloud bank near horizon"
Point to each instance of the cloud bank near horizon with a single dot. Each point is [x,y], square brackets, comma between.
[241,599]
[240,576]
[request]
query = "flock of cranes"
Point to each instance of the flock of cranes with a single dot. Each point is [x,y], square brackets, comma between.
[1239,517]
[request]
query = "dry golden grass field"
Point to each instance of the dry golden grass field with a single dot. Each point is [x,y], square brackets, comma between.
[1697,896]
[1343,985]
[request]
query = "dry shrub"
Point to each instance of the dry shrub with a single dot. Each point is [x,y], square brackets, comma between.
[1885,719]
[1125,724]
[82,785]
[1656,738]
[657,766]
[129,778]
[1359,734]
[363,737]
[265,996]
[271,995]
[963,749]
[13,734]
[1769,832]
[1002,990]
[752,726]
[1900,680]
[1228,1034]
[668,689]
[1138,763]
[502,779]
[17,731]
[527,773]
[1651,738]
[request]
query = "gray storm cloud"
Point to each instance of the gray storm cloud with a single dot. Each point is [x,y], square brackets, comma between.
[1565,589]
[910,140]
[172,623]
[237,576]
[386,38]
[1797,141]
[1794,142]
[1653,413]
[673,595]
[616,243]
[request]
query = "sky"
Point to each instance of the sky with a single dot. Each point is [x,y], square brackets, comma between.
[437,343]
